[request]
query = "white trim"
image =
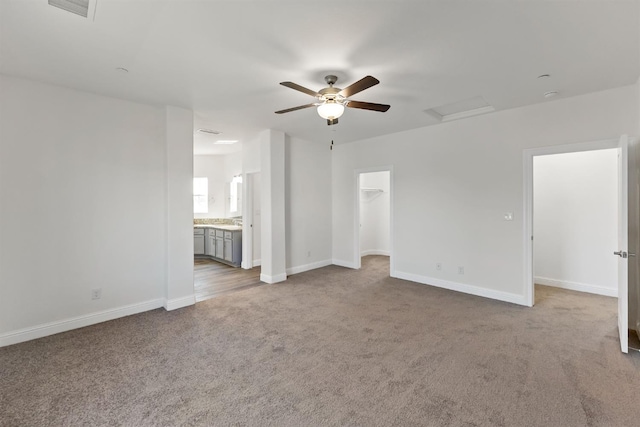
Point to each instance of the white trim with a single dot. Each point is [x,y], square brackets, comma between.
[464,288]
[46,329]
[175,303]
[342,263]
[307,267]
[255,263]
[575,286]
[623,242]
[273,279]
[247,221]
[527,203]
[375,252]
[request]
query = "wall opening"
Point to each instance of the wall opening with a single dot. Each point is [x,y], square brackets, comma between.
[374,215]
[575,221]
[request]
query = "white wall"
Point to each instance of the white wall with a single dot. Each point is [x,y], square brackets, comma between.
[375,213]
[179,208]
[634,235]
[232,167]
[251,154]
[83,193]
[308,205]
[273,202]
[575,202]
[213,168]
[453,183]
[634,225]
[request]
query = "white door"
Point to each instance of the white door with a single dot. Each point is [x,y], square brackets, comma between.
[623,241]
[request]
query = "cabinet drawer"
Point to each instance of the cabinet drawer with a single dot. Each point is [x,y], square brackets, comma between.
[198,231]
[211,232]
[228,234]
[220,233]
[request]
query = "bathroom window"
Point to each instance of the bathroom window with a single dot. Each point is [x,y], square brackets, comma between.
[200,195]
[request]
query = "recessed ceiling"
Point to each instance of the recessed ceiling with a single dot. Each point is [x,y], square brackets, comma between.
[224,59]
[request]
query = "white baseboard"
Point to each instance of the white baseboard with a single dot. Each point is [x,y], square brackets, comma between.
[574,286]
[375,252]
[273,279]
[46,329]
[175,303]
[341,263]
[307,267]
[464,288]
[256,263]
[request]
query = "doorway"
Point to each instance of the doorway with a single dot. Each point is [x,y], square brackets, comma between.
[252,221]
[219,232]
[620,248]
[575,221]
[374,215]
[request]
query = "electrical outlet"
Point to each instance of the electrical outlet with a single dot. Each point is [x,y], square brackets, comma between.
[460,270]
[308,254]
[96,293]
[438,266]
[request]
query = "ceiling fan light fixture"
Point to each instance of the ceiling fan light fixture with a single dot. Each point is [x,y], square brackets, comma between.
[330,110]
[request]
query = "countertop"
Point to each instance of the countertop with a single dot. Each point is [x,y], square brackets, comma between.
[219,226]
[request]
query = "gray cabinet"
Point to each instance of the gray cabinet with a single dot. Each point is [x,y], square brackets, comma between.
[220,244]
[211,246]
[233,247]
[198,241]
[219,247]
[228,250]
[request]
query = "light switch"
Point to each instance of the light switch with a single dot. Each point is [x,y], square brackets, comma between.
[508,216]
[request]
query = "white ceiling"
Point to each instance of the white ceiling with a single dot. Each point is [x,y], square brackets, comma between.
[225,58]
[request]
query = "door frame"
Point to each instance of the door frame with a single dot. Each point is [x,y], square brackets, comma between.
[528,155]
[247,219]
[356,220]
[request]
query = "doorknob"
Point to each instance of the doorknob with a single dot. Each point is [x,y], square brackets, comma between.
[622,254]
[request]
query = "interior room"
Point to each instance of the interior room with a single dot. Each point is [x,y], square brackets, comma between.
[575,218]
[375,214]
[110,111]
[218,198]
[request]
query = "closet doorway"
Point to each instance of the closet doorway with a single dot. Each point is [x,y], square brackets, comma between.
[374,228]
[618,247]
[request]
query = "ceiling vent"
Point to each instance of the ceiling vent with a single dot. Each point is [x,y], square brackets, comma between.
[79,7]
[461,109]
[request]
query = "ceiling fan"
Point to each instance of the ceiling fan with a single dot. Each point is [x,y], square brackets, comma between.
[332,100]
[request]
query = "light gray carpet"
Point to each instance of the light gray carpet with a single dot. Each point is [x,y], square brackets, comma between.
[334,347]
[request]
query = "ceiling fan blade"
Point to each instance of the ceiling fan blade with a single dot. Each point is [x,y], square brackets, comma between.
[359,86]
[300,107]
[368,106]
[302,89]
